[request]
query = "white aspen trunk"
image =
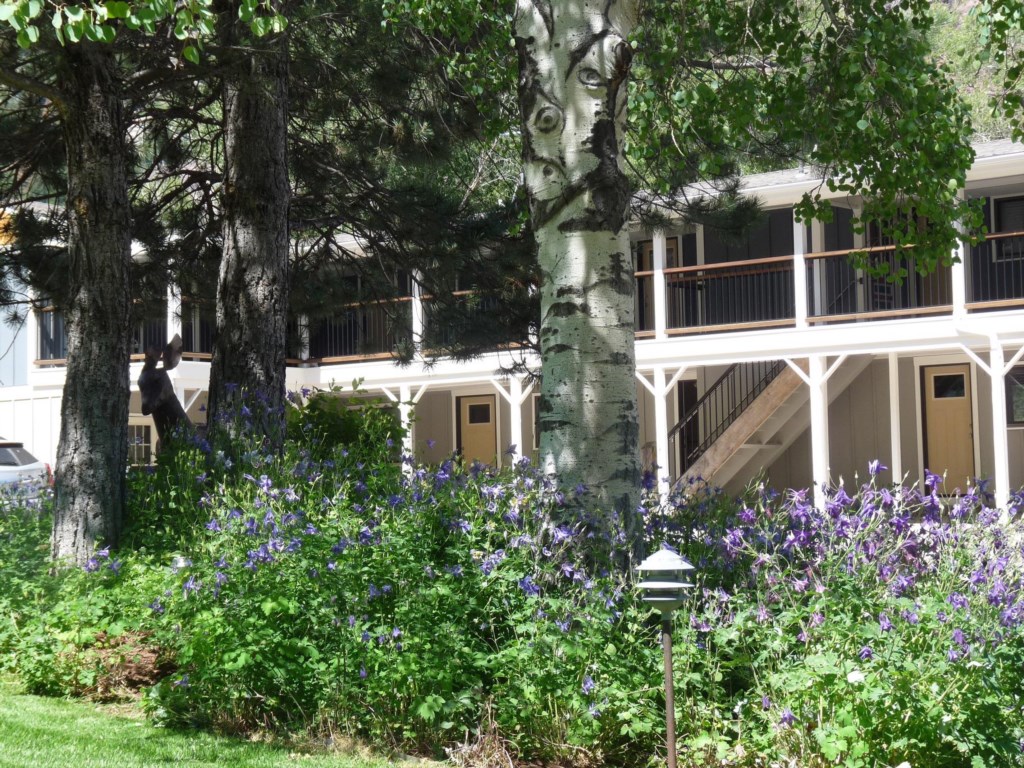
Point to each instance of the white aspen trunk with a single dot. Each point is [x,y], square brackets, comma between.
[574,61]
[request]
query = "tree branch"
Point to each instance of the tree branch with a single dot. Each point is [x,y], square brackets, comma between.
[732,66]
[20,82]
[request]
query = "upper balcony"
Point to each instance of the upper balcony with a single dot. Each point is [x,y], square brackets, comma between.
[782,275]
[694,284]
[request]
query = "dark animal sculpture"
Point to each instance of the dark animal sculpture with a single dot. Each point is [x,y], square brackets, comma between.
[157,392]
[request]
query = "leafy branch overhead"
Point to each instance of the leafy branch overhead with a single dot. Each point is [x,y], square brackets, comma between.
[852,89]
[194,20]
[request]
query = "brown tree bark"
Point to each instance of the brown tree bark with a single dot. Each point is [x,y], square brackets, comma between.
[92,454]
[252,288]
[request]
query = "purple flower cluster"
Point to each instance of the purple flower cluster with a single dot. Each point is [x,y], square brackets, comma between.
[906,566]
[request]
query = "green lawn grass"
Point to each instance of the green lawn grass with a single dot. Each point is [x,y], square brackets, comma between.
[38,732]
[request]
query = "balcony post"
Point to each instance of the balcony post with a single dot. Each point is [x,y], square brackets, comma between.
[405,406]
[799,273]
[515,402]
[658,284]
[32,334]
[997,377]
[302,325]
[173,311]
[896,440]
[661,426]
[958,273]
[418,319]
[819,427]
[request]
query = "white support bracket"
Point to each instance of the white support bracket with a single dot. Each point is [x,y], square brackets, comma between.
[515,396]
[798,370]
[192,400]
[977,360]
[660,389]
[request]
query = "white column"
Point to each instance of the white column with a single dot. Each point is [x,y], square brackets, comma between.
[31,336]
[896,441]
[859,240]
[173,311]
[958,274]
[418,317]
[800,273]
[302,322]
[817,245]
[515,403]
[661,429]
[658,284]
[405,416]
[819,426]
[174,329]
[997,377]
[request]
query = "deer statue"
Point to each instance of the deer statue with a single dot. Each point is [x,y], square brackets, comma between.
[157,392]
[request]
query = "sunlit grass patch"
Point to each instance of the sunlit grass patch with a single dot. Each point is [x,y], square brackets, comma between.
[57,733]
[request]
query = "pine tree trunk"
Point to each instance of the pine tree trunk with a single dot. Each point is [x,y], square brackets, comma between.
[92,455]
[252,291]
[574,62]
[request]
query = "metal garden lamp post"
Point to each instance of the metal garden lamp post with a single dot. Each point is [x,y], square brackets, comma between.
[663,586]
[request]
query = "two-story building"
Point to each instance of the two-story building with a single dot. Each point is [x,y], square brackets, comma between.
[775,355]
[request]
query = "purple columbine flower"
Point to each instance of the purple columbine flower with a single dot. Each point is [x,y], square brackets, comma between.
[588,685]
[787,718]
[190,586]
[866,654]
[766,703]
[561,534]
[884,623]
[529,588]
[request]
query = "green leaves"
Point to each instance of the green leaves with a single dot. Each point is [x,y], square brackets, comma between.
[194,20]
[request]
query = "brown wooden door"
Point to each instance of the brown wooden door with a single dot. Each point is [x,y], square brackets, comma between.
[948,424]
[478,429]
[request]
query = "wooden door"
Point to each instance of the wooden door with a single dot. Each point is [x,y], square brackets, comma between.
[948,424]
[477,429]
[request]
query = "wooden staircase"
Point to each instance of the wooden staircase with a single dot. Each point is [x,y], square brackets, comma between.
[766,427]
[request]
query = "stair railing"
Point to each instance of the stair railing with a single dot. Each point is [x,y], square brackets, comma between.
[718,408]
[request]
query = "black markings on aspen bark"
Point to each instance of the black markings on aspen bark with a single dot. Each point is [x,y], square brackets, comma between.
[557,349]
[580,51]
[567,309]
[543,8]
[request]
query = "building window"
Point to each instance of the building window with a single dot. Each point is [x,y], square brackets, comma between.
[1015,397]
[53,340]
[1009,218]
[140,444]
[953,385]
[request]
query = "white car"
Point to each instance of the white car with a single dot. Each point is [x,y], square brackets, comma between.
[18,465]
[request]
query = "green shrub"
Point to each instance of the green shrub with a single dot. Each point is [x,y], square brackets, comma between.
[426,607]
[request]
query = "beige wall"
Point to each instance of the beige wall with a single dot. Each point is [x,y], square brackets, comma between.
[859,431]
[434,421]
